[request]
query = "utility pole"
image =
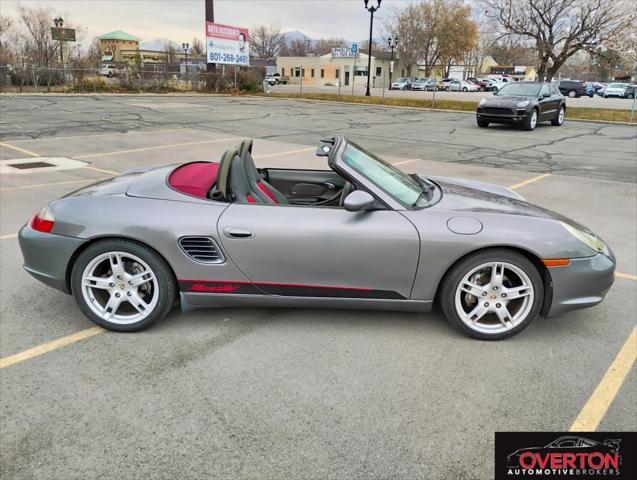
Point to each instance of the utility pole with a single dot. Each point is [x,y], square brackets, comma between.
[210,17]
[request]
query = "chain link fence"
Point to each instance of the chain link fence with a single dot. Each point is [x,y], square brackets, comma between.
[36,79]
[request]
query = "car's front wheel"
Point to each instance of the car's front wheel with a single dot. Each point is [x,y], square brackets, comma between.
[531,120]
[122,285]
[493,294]
[559,119]
[482,123]
[572,94]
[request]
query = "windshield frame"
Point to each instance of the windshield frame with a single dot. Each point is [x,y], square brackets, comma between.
[422,188]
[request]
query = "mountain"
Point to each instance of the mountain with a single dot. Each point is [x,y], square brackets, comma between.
[159,44]
[296,35]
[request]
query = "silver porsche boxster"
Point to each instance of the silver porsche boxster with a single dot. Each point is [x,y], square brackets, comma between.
[361,234]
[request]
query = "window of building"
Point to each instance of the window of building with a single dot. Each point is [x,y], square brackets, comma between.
[379,71]
[338,73]
[297,72]
[322,73]
[312,73]
[361,71]
[302,72]
[283,72]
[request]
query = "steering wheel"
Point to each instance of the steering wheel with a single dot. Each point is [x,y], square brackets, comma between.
[347,189]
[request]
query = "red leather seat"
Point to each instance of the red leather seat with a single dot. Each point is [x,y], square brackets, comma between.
[260,188]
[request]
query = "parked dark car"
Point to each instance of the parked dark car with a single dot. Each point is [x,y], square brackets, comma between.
[572,88]
[523,103]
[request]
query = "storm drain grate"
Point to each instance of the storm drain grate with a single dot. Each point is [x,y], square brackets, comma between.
[28,165]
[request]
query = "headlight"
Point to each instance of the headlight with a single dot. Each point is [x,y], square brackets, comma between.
[522,104]
[483,101]
[590,240]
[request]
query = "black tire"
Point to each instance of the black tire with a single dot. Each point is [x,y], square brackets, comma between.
[446,89]
[556,122]
[528,123]
[630,95]
[455,275]
[572,94]
[482,123]
[165,278]
[464,89]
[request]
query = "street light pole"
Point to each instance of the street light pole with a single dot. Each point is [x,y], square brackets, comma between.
[186,46]
[58,24]
[392,42]
[371,10]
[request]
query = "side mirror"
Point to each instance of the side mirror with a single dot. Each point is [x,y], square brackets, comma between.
[358,200]
[546,95]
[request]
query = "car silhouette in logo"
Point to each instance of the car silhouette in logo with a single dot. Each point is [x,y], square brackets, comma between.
[569,451]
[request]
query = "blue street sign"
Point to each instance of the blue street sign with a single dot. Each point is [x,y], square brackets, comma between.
[354,49]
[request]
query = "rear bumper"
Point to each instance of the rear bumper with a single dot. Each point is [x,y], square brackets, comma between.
[584,283]
[47,256]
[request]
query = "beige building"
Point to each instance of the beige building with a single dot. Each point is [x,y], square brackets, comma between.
[329,70]
[113,44]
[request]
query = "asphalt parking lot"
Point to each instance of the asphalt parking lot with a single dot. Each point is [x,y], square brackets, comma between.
[250,393]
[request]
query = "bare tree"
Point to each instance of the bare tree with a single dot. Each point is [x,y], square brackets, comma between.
[6,29]
[266,41]
[93,53]
[325,45]
[407,26]
[170,55]
[561,28]
[37,22]
[296,48]
[197,47]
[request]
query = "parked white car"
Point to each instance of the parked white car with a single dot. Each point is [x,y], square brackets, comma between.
[402,83]
[108,70]
[460,86]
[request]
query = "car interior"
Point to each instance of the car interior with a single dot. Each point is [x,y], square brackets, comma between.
[236,178]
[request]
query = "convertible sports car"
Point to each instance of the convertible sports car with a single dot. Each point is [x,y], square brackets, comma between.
[360,235]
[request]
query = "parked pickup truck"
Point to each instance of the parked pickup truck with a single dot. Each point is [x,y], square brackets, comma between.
[276,79]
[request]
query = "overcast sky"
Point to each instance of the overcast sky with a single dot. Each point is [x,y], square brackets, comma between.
[181,20]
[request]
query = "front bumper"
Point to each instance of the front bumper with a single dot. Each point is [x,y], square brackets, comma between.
[502,115]
[584,283]
[47,256]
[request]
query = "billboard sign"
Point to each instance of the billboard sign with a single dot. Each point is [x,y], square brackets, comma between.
[345,52]
[63,34]
[227,45]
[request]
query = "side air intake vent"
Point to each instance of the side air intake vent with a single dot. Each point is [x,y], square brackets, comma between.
[201,249]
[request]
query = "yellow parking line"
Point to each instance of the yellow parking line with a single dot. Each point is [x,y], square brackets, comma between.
[11,235]
[18,149]
[593,412]
[627,276]
[49,346]
[8,189]
[405,162]
[530,180]
[290,152]
[109,172]
[156,147]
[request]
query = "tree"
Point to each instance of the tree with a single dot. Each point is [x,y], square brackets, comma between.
[510,51]
[561,28]
[37,22]
[459,34]
[296,48]
[6,29]
[197,47]
[407,26]
[324,46]
[266,41]
[94,53]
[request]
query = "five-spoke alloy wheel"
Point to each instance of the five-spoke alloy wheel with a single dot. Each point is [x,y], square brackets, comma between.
[122,285]
[493,294]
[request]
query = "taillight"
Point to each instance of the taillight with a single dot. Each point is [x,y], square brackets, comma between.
[43,221]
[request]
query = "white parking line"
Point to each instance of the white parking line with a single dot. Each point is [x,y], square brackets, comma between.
[405,162]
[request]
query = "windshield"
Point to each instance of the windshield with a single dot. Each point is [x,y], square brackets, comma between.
[521,89]
[617,85]
[400,80]
[395,182]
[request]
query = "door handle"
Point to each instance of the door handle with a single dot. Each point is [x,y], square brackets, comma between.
[236,232]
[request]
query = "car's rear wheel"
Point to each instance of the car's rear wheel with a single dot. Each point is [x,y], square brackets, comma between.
[446,89]
[559,119]
[464,89]
[482,123]
[493,294]
[122,285]
[572,94]
[531,120]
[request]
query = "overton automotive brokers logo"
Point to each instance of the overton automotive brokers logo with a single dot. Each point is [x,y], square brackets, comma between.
[554,455]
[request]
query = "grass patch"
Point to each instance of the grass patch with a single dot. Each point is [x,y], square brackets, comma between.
[580,113]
